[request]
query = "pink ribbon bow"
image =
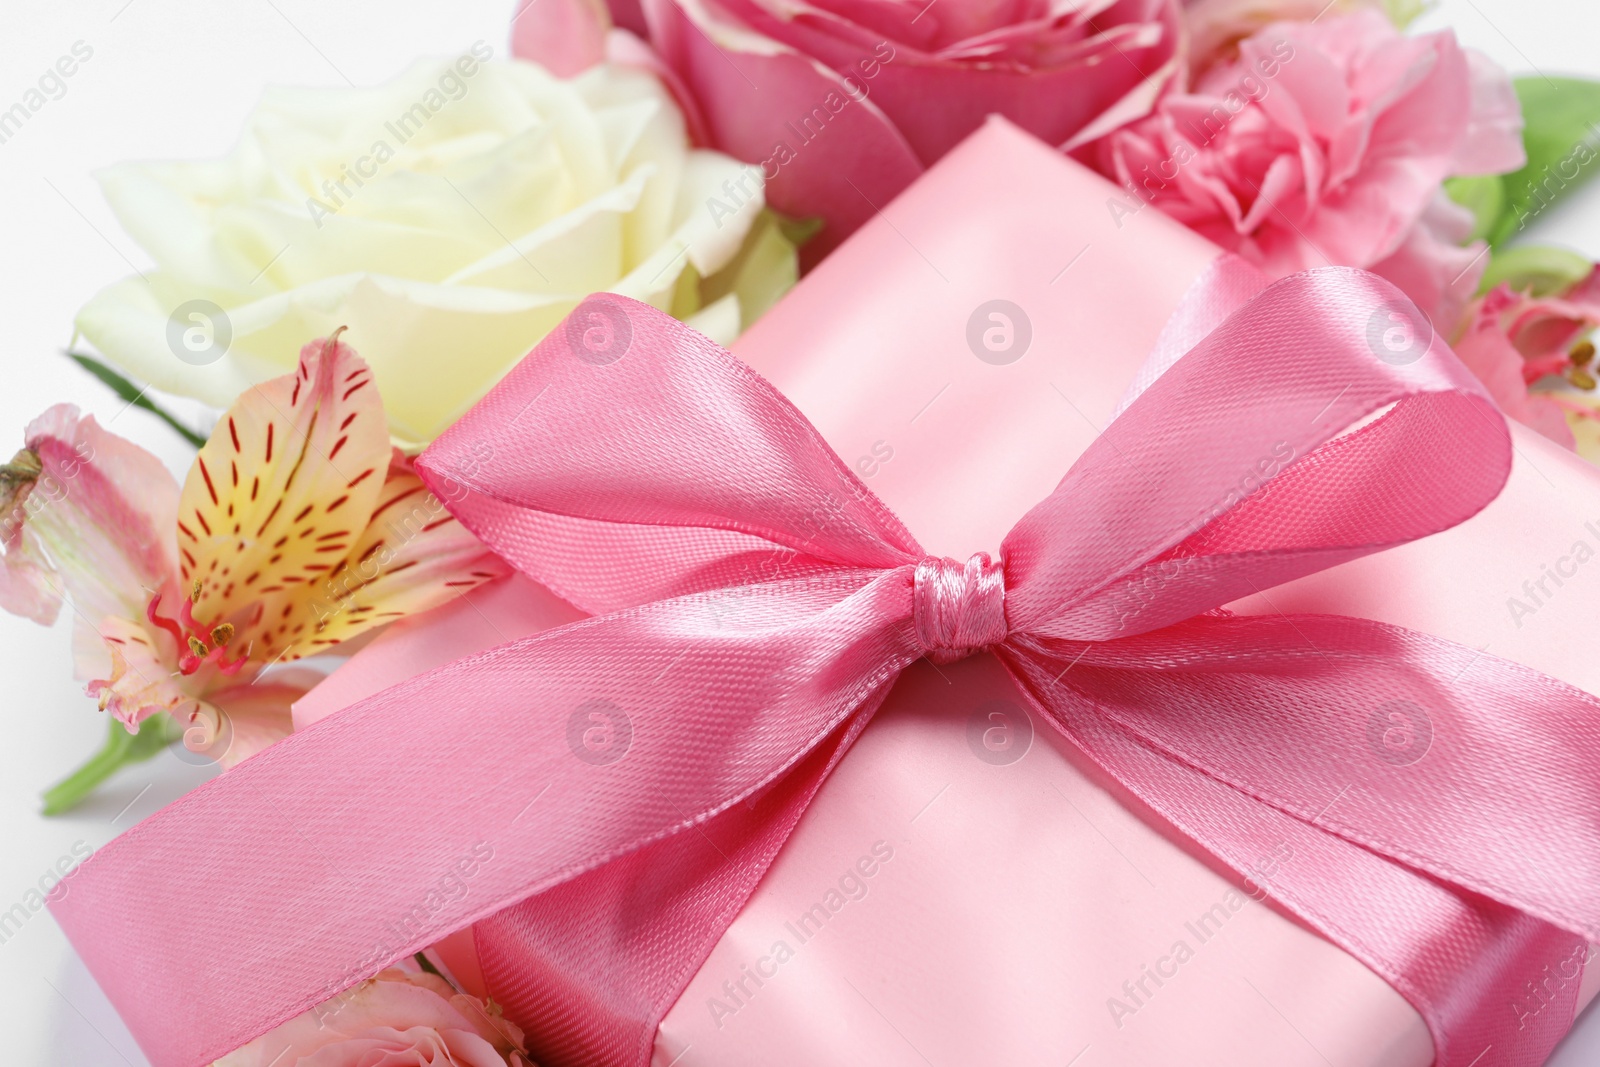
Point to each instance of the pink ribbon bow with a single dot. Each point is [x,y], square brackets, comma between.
[611,791]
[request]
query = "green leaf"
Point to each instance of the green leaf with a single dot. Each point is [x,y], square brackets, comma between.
[1404,12]
[1484,196]
[1561,133]
[686,299]
[133,394]
[764,269]
[1541,270]
[120,749]
[798,231]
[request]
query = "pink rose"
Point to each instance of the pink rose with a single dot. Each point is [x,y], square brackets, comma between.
[841,103]
[1327,142]
[398,1019]
[1532,354]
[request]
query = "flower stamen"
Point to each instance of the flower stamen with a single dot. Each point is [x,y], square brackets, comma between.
[160,620]
[192,636]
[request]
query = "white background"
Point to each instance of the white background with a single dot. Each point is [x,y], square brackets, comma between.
[172,79]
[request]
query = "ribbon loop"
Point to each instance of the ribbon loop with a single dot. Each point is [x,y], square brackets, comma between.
[1281,444]
[661,466]
[762,602]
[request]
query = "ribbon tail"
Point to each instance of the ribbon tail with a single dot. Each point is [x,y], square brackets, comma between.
[592,966]
[1447,760]
[1296,802]
[465,790]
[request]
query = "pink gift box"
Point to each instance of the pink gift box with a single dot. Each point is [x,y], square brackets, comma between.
[967,889]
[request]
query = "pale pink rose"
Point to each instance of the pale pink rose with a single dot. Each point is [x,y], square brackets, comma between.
[841,103]
[398,1019]
[1522,346]
[1327,142]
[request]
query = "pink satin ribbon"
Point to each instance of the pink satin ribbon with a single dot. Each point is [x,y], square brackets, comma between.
[631,776]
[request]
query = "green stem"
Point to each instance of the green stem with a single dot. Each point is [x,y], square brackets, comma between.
[133,394]
[120,748]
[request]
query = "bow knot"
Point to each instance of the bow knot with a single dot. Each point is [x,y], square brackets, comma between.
[1229,473]
[959,608]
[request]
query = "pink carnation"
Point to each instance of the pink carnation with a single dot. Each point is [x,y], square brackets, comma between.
[1327,142]
[398,1019]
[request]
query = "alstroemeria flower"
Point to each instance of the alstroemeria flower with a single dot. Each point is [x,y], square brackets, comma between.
[297,527]
[1535,356]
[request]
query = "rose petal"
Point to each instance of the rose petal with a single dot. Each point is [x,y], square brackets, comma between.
[397,1017]
[497,201]
[565,36]
[825,153]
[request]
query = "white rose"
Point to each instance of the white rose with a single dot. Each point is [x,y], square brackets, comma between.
[449,219]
